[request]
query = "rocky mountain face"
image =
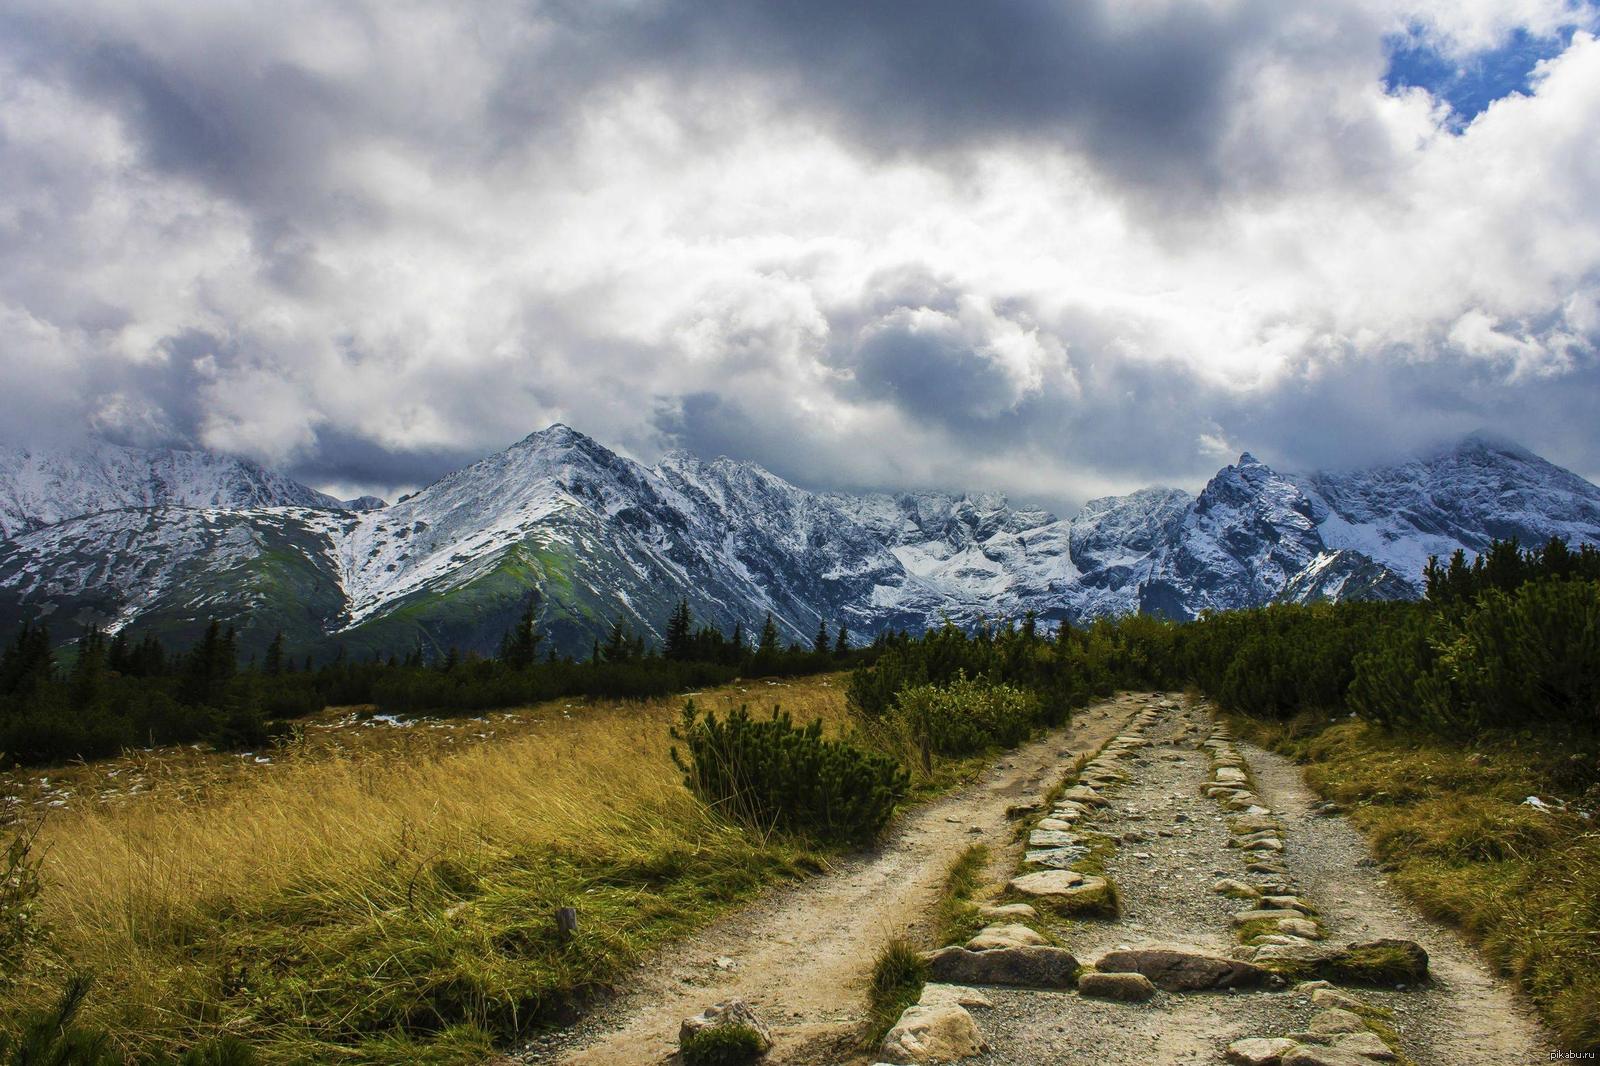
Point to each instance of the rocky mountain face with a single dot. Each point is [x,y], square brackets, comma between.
[42,487]
[167,540]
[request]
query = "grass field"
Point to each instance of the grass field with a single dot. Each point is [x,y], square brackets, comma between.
[1454,826]
[382,893]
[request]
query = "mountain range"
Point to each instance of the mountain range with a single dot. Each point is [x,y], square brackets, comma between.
[165,540]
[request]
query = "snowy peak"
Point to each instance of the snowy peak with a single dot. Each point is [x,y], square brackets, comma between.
[168,538]
[1461,497]
[1247,533]
[41,487]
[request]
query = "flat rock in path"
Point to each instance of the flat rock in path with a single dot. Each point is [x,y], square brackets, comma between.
[1373,962]
[1235,889]
[1367,1044]
[1292,956]
[1054,858]
[1124,987]
[1065,890]
[1264,915]
[1303,928]
[1333,997]
[1287,902]
[1026,967]
[729,1012]
[1047,882]
[1014,911]
[1337,1020]
[1259,1051]
[938,995]
[1323,1055]
[1254,823]
[1053,823]
[1085,795]
[941,1033]
[1268,844]
[1050,838]
[1172,970]
[1004,936]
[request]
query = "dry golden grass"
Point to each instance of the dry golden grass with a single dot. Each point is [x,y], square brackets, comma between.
[270,900]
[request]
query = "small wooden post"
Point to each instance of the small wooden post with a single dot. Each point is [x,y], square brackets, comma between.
[567,922]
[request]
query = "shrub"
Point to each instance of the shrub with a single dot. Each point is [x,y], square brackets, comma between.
[1527,658]
[722,1045]
[967,716]
[53,1036]
[770,773]
[20,886]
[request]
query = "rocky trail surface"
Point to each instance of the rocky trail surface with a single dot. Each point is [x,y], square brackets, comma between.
[801,956]
[1182,900]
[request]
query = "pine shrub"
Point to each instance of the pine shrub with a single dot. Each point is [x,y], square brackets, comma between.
[722,1045]
[769,773]
[968,715]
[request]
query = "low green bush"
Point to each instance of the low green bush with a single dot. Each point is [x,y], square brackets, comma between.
[722,1045]
[968,715]
[771,774]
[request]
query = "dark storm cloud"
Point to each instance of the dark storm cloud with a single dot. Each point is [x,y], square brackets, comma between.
[1145,94]
[346,458]
[1050,246]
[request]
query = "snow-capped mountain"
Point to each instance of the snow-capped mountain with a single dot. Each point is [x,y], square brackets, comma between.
[597,537]
[1462,497]
[40,487]
[969,557]
[1245,536]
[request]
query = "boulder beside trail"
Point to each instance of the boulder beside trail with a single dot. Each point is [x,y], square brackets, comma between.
[728,1013]
[1125,987]
[939,1033]
[1173,970]
[1034,966]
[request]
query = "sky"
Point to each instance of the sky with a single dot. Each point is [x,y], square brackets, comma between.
[1055,249]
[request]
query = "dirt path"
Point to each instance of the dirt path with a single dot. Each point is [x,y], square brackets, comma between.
[1468,1015]
[1174,847]
[801,956]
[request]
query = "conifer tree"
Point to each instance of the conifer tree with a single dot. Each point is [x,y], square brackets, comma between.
[680,633]
[274,661]
[27,662]
[768,645]
[819,643]
[519,648]
[841,647]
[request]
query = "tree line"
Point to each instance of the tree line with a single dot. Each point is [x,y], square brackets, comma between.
[110,692]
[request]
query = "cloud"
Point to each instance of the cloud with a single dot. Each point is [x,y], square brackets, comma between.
[1057,249]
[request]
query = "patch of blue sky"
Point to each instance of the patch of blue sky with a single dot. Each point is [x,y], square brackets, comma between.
[1470,83]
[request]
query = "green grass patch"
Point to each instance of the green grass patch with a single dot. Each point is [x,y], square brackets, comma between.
[898,975]
[956,919]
